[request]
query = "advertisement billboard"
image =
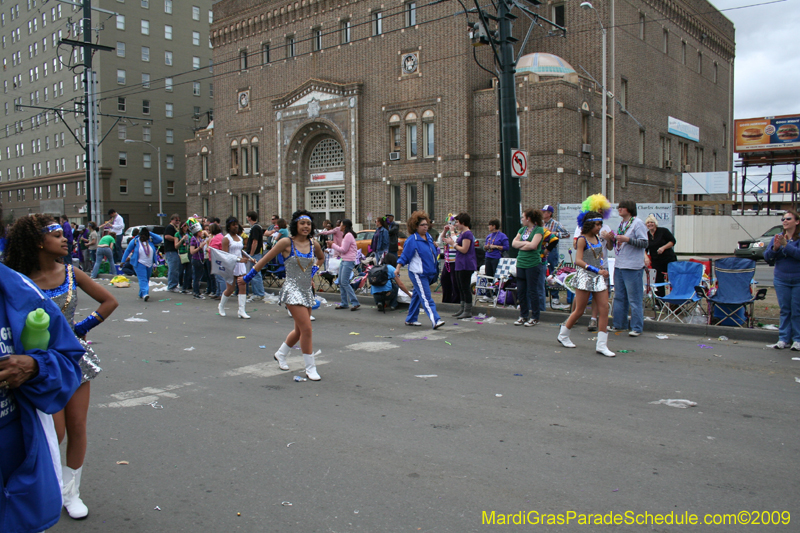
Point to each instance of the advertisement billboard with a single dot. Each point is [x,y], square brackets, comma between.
[767,134]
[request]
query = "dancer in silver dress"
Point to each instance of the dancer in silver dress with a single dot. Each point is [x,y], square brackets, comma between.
[591,277]
[36,246]
[302,257]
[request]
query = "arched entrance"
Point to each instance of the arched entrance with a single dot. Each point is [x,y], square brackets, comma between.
[317,167]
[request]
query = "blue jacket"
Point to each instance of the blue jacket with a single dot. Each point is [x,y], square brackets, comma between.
[426,249]
[380,241]
[786,259]
[30,499]
[133,248]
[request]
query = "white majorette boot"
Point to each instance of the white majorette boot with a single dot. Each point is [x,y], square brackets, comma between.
[563,337]
[222,301]
[280,356]
[601,347]
[71,492]
[242,303]
[311,366]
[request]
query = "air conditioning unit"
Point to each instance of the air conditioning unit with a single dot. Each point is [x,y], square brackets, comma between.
[234,172]
[668,163]
[394,156]
[687,168]
[586,148]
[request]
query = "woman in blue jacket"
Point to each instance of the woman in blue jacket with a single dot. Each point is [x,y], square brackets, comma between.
[380,240]
[32,383]
[420,254]
[142,253]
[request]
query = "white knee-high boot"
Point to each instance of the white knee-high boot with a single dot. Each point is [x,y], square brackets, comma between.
[311,366]
[602,345]
[222,301]
[280,356]
[563,337]
[71,492]
[242,303]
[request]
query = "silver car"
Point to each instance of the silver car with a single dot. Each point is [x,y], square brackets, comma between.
[754,248]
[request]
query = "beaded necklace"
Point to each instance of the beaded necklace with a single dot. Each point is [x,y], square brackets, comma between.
[622,231]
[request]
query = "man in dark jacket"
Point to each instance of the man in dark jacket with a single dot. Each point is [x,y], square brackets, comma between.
[394,231]
[67,227]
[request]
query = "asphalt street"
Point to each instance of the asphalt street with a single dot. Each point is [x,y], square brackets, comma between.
[423,431]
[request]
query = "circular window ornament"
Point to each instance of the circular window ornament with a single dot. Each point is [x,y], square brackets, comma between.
[410,62]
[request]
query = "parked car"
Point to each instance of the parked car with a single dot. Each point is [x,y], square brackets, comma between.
[364,239]
[754,248]
[126,237]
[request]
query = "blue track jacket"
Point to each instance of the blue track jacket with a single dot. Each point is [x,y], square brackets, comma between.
[427,250]
[133,248]
[31,496]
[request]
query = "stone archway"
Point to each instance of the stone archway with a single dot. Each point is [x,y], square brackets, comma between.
[316,165]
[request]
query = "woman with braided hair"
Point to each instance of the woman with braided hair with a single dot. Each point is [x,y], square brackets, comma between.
[36,246]
[302,257]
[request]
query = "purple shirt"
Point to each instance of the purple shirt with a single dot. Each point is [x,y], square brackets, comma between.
[67,227]
[466,261]
[196,243]
[498,238]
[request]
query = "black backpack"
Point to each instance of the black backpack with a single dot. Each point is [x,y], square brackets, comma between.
[379,275]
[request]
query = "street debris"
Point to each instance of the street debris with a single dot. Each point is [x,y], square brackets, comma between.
[621,351]
[499,395]
[156,508]
[134,319]
[704,346]
[680,404]
[189,349]
[241,337]
[286,504]
[426,376]
[354,333]
[156,405]
[123,463]
[662,337]
[298,378]
[722,338]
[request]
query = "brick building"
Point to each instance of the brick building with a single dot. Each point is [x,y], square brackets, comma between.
[352,109]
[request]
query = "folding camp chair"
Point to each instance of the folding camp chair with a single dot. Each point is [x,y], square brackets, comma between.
[275,272]
[650,289]
[501,275]
[325,277]
[733,301]
[682,300]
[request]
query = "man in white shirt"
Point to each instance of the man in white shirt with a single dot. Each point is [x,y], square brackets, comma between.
[117,225]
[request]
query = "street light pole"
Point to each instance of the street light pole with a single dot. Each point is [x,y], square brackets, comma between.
[604,135]
[158,154]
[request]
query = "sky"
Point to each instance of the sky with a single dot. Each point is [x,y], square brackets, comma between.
[766,68]
[767,65]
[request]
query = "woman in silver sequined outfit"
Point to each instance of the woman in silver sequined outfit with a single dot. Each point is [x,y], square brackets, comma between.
[302,257]
[591,278]
[36,248]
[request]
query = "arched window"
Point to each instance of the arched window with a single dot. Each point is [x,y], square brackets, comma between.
[395,141]
[327,154]
[428,138]
[411,135]
[243,59]
[234,157]
[254,161]
[245,157]
[204,162]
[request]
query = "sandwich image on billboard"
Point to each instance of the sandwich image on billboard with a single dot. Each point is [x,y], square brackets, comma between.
[767,134]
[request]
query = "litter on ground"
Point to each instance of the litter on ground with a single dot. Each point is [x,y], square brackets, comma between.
[426,376]
[134,319]
[680,404]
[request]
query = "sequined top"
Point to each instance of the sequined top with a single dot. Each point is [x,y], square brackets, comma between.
[65,296]
[296,289]
[593,253]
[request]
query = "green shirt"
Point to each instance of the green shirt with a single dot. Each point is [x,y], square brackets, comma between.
[530,258]
[108,240]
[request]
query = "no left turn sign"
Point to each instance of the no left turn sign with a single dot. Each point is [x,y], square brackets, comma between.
[519,164]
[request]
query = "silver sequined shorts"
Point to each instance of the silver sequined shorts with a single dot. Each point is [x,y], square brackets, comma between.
[90,363]
[589,281]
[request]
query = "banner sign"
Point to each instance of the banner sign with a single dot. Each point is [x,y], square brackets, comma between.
[683,129]
[704,183]
[322,177]
[568,217]
[784,187]
[222,264]
[767,134]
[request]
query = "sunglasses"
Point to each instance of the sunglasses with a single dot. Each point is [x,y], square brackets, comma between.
[787,219]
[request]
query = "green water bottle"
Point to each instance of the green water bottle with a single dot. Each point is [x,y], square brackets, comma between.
[35,334]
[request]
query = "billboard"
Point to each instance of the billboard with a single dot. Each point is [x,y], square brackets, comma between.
[683,129]
[704,183]
[784,187]
[767,134]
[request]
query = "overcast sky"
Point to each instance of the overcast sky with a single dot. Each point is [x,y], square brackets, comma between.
[767,64]
[765,67]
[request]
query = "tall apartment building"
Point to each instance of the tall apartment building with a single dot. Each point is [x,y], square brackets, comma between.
[352,108]
[158,79]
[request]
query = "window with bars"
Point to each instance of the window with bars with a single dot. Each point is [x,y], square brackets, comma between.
[327,154]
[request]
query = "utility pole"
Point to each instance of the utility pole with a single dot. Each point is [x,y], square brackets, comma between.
[89,119]
[502,43]
[510,192]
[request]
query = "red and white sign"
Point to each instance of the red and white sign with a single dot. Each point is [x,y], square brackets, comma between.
[519,164]
[322,177]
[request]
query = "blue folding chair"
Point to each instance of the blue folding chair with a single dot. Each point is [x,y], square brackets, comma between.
[275,272]
[682,299]
[732,303]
